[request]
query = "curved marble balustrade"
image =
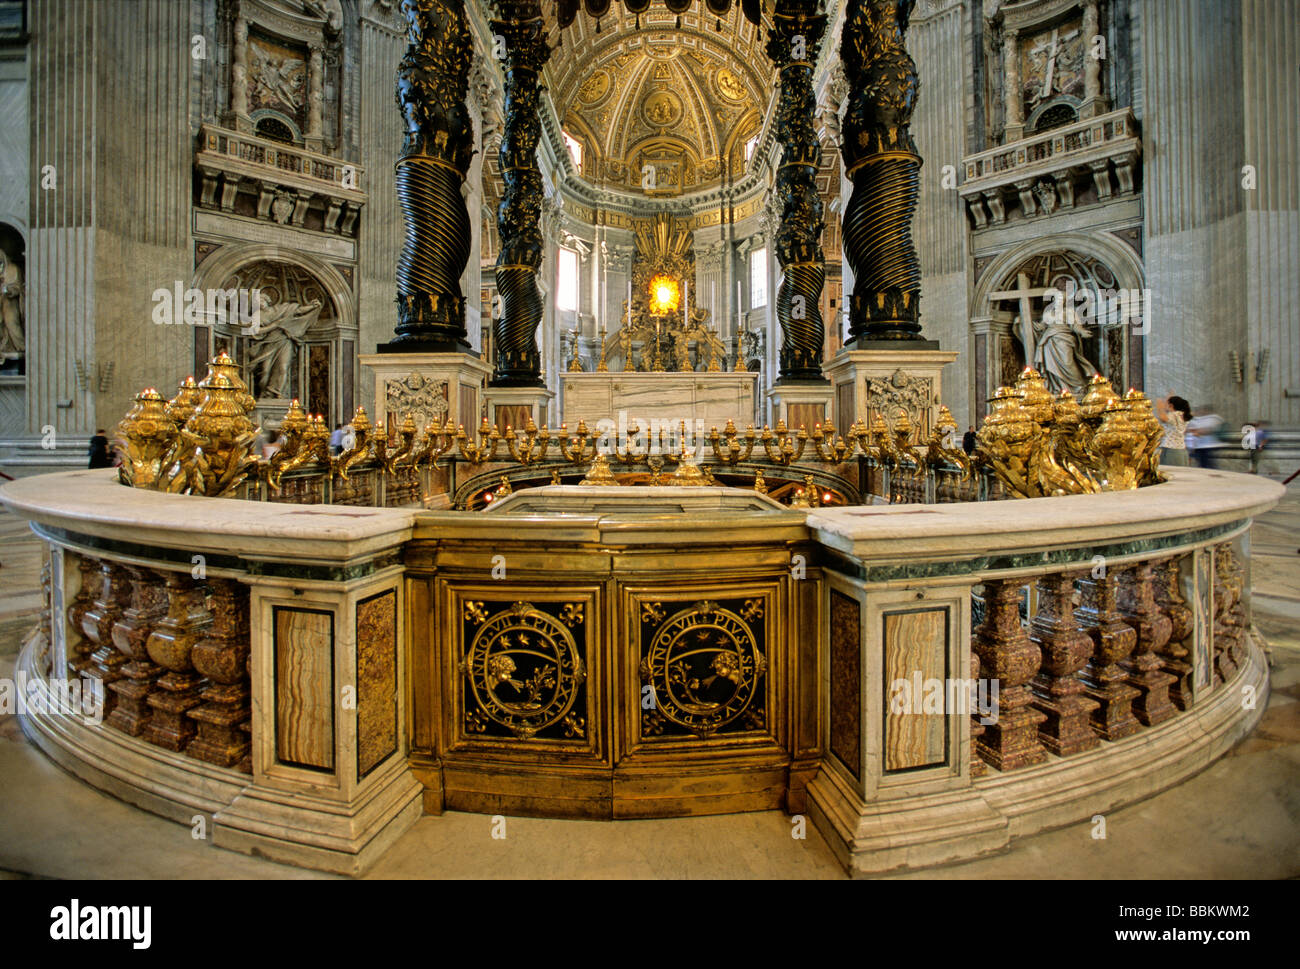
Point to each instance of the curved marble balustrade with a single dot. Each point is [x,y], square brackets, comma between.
[313,677]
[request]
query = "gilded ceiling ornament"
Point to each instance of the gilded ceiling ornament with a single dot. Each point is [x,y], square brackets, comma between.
[594,88]
[661,108]
[729,85]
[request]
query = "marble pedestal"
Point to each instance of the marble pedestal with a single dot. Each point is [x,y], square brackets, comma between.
[513,406]
[450,385]
[799,405]
[889,383]
[670,398]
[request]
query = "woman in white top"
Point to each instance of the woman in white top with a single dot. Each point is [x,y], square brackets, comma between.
[1174,413]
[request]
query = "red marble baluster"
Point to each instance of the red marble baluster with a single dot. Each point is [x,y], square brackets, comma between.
[170,647]
[130,633]
[1136,602]
[110,603]
[1007,653]
[80,648]
[977,766]
[1112,640]
[222,656]
[1058,691]
[1175,657]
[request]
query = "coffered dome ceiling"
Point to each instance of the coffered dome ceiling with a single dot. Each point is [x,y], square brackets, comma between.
[683,100]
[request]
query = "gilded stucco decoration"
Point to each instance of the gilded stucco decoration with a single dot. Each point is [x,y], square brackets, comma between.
[674,98]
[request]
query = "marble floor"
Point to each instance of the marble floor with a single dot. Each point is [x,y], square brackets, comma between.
[1238,819]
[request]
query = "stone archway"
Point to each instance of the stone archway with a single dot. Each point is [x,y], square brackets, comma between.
[1013,283]
[321,360]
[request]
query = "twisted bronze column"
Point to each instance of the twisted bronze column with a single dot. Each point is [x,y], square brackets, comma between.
[881,160]
[432,81]
[792,45]
[518,363]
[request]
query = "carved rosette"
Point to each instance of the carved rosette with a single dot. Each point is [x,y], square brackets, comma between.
[1009,655]
[793,43]
[882,162]
[432,82]
[519,23]
[705,666]
[524,670]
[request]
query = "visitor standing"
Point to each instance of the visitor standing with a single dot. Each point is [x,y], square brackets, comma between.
[968,440]
[1175,414]
[99,456]
[336,439]
[1203,437]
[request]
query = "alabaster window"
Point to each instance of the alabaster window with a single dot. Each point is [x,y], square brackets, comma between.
[566,283]
[758,278]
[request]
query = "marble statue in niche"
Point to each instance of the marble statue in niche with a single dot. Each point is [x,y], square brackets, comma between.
[279,331]
[1058,349]
[12,319]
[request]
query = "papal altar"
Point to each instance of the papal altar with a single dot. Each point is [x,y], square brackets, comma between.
[669,398]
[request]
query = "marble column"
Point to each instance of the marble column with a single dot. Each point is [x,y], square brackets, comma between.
[239,77]
[1093,102]
[315,98]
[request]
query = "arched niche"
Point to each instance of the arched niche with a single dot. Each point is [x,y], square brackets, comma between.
[1016,278]
[319,361]
[13,296]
